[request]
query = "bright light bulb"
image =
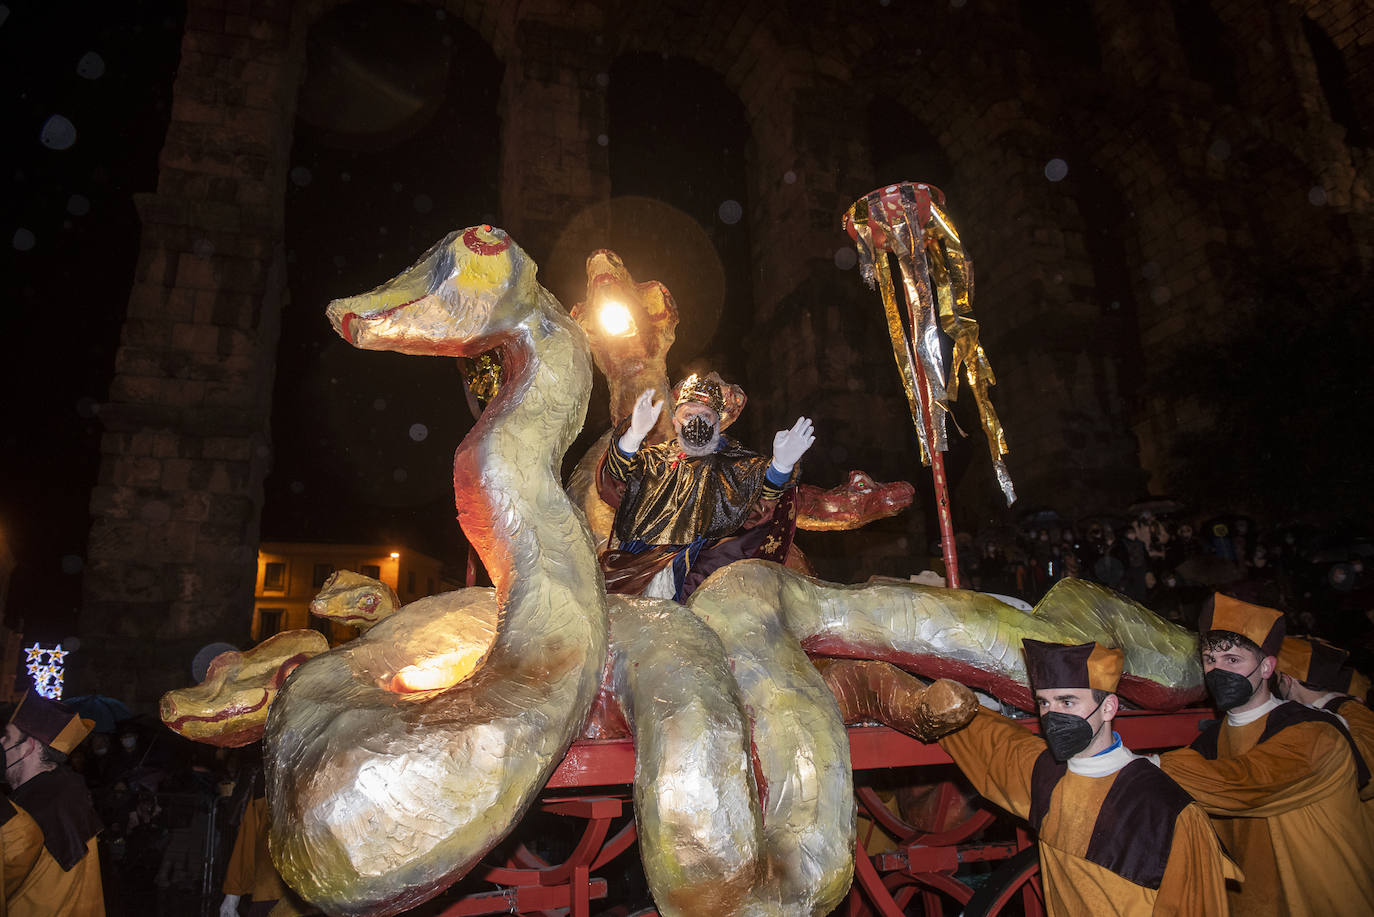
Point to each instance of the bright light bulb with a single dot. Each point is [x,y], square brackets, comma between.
[615,318]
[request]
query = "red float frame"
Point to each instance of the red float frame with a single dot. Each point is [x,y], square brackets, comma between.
[924,864]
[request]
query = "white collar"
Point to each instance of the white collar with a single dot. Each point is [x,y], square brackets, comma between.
[1249,716]
[1321,702]
[1104,763]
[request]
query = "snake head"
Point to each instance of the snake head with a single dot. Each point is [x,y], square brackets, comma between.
[229,708]
[467,291]
[353,599]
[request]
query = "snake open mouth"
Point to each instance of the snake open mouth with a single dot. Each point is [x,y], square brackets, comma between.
[385,313]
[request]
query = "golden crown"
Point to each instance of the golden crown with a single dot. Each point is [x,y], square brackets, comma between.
[702,389]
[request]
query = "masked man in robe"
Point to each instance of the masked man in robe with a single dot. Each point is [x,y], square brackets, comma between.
[1280,780]
[1116,835]
[65,879]
[1313,673]
[692,504]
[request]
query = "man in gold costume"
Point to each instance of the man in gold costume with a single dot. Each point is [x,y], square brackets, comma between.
[1280,780]
[692,504]
[1116,836]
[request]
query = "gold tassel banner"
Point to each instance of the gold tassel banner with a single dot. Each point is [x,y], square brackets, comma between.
[909,221]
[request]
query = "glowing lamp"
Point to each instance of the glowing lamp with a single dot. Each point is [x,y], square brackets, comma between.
[437,673]
[395,555]
[615,318]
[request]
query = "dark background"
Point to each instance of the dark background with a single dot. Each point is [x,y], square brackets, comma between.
[396,144]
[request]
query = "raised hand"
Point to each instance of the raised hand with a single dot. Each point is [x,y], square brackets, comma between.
[790,445]
[642,420]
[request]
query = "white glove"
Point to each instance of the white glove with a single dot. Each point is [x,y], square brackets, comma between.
[790,445]
[642,421]
[229,907]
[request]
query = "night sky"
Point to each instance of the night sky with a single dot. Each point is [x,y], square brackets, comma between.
[86,99]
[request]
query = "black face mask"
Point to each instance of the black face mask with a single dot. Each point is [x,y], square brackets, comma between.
[1066,734]
[698,431]
[1230,689]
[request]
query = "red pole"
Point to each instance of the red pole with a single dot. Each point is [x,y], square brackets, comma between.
[937,470]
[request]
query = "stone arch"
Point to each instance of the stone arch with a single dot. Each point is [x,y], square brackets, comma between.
[1348,26]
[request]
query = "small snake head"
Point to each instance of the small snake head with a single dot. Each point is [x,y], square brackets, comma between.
[354,599]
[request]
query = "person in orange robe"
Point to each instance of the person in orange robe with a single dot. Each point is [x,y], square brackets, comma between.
[21,841]
[250,871]
[1116,836]
[1280,780]
[65,878]
[1312,672]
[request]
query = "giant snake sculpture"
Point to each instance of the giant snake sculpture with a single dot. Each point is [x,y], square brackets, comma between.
[396,761]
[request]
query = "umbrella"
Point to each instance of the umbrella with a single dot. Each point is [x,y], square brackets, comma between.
[1209,570]
[1156,506]
[106,711]
[1040,517]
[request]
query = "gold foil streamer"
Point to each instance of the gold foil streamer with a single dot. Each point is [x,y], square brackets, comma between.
[901,348]
[910,222]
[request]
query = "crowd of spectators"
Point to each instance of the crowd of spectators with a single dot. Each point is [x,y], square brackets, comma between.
[169,810]
[1171,562]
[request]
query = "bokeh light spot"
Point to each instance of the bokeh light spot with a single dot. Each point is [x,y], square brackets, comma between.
[1056,169]
[301,176]
[23,240]
[1317,196]
[58,133]
[419,432]
[730,212]
[845,258]
[91,66]
[78,205]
